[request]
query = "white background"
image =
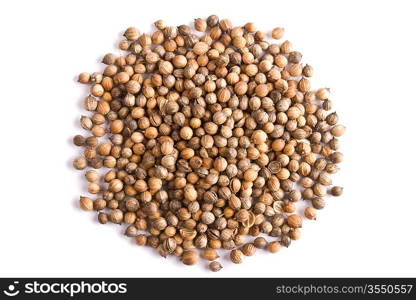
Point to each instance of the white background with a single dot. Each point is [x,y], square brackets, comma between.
[363,50]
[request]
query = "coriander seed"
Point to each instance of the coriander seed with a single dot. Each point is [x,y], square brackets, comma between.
[190,257]
[80,163]
[91,175]
[277,33]
[248,249]
[337,191]
[84,77]
[260,242]
[102,218]
[79,140]
[273,247]
[86,203]
[310,213]
[294,221]
[215,266]
[210,254]
[236,256]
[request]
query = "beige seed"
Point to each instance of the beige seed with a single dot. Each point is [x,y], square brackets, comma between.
[338,130]
[200,48]
[273,247]
[277,33]
[294,221]
[190,257]
[236,256]
[86,203]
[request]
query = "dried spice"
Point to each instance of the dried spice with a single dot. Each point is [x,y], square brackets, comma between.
[210,137]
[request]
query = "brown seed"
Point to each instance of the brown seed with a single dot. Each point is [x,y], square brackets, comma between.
[295,234]
[141,240]
[319,190]
[337,191]
[200,25]
[248,249]
[236,256]
[322,94]
[78,140]
[242,215]
[239,42]
[186,133]
[207,217]
[103,218]
[160,223]
[200,48]
[92,176]
[165,67]
[116,216]
[80,163]
[122,77]
[109,59]
[116,126]
[215,266]
[131,34]
[277,33]
[262,90]
[190,257]
[160,24]
[212,21]
[97,90]
[338,130]
[294,221]
[259,137]
[210,254]
[241,88]
[273,247]
[86,203]
[310,213]
[260,242]
[90,153]
[99,204]
[84,77]
[115,185]
[250,175]
[191,194]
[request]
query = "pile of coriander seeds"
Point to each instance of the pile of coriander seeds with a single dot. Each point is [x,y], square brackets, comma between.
[207,138]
